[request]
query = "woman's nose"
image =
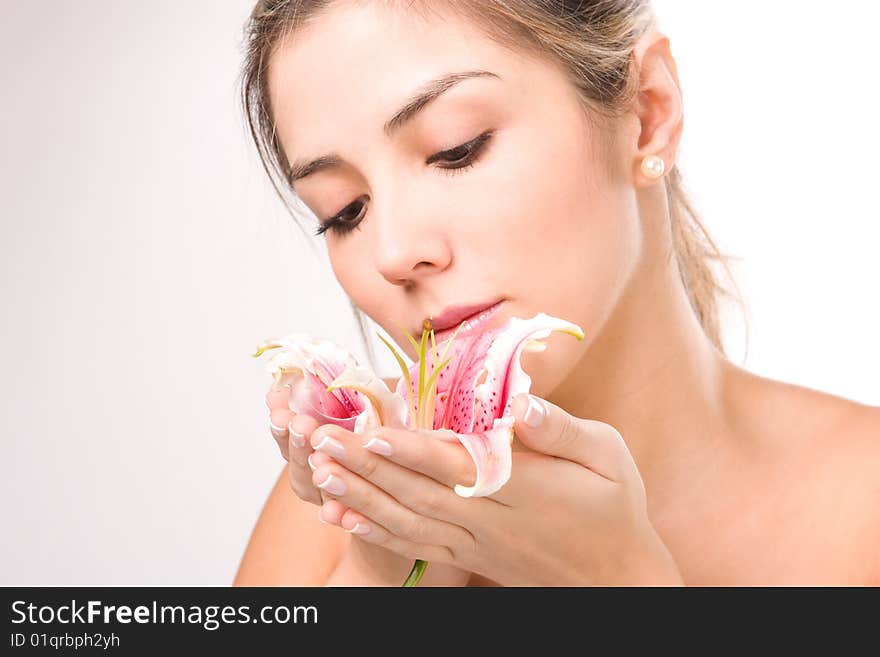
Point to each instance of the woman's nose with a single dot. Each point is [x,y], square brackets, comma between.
[410,244]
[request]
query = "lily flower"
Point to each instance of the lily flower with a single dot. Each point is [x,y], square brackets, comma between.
[469,402]
[328,383]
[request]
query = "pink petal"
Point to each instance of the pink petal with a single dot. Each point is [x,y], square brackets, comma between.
[476,391]
[309,366]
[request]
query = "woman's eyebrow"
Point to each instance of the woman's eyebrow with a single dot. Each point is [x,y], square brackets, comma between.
[427,93]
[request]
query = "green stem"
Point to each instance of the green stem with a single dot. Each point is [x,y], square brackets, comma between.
[425,416]
[416,573]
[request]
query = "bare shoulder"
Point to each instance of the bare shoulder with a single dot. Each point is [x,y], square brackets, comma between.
[802,406]
[825,455]
[804,415]
[852,449]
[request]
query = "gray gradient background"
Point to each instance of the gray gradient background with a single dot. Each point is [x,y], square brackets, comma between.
[144,255]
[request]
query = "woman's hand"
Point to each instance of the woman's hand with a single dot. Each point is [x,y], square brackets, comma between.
[362,564]
[573,513]
[292,432]
[368,563]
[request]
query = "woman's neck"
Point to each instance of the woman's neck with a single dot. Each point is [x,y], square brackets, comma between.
[654,375]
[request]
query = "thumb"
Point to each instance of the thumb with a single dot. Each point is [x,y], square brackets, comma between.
[547,428]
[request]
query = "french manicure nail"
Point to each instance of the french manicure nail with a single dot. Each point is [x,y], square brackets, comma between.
[378,446]
[359,528]
[333,485]
[311,465]
[332,447]
[278,432]
[535,413]
[321,518]
[298,439]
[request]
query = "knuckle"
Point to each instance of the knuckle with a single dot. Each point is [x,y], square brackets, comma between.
[413,529]
[367,505]
[367,468]
[568,432]
[446,555]
[428,503]
[384,538]
[464,551]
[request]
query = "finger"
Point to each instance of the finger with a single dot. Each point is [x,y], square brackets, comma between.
[332,511]
[414,490]
[299,450]
[277,397]
[314,460]
[370,531]
[361,495]
[278,427]
[443,461]
[300,481]
[547,428]
[300,429]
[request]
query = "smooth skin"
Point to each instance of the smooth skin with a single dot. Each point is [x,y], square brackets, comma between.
[746,480]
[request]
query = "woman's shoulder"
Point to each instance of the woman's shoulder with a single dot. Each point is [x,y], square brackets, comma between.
[807,414]
[825,450]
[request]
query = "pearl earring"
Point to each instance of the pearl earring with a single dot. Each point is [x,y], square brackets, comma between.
[653,166]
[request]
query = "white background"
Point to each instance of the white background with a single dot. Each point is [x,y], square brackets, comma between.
[144,255]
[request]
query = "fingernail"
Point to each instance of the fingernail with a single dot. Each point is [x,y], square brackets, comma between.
[298,439]
[378,446]
[535,413]
[359,528]
[311,465]
[333,485]
[278,432]
[331,446]
[321,518]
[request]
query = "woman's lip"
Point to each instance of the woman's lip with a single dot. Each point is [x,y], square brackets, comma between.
[484,317]
[455,315]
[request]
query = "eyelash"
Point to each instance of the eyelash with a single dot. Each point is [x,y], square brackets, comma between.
[474,150]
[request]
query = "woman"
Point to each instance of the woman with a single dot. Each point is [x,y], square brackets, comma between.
[538,168]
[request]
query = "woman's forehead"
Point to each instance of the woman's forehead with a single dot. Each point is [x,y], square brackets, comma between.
[317,85]
[356,53]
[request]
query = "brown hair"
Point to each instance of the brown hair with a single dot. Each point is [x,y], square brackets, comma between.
[592,42]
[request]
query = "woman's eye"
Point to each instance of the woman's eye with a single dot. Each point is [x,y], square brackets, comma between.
[345,221]
[455,160]
[461,157]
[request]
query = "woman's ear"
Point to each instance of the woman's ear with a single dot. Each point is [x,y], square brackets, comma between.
[660,108]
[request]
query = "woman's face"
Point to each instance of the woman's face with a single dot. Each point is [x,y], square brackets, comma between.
[533,217]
